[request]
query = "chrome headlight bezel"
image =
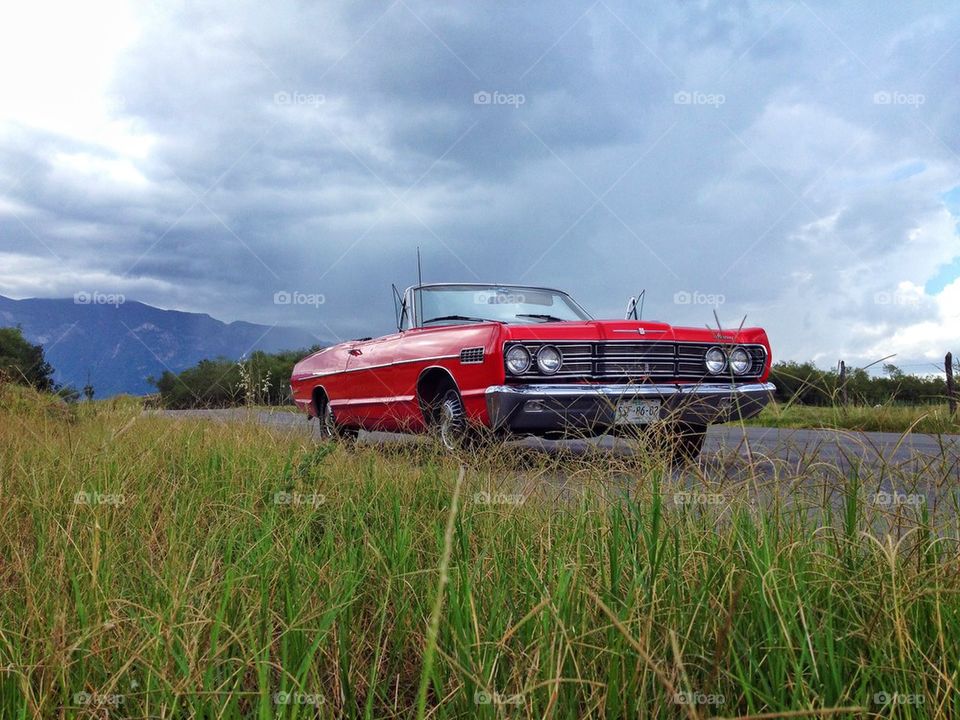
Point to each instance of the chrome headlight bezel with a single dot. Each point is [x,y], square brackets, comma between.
[549,351]
[518,351]
[740,361]
[719,356]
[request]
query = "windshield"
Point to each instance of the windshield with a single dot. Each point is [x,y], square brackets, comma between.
[460,304]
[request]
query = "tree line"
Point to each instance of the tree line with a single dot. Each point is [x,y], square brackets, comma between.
[264,379]
[23,363]
[261,379]
[806,384]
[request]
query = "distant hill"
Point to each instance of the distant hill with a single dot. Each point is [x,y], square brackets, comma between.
[120,346]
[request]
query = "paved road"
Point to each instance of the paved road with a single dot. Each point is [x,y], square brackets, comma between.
[839,447]
[921,473]
[761,463]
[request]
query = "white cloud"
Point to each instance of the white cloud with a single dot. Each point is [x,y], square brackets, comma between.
[929,338]
[60,59]
[80,168]
[143,144]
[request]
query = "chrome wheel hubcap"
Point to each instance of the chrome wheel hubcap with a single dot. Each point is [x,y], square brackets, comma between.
[450,423]
[329,422]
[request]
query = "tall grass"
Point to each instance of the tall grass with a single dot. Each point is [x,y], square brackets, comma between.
[933,419]
[152,567]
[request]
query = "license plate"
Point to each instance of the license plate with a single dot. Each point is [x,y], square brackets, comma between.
[637,412]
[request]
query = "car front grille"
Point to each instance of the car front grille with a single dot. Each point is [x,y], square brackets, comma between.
[633,361]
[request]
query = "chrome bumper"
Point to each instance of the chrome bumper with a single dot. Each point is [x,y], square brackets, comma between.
[547,408]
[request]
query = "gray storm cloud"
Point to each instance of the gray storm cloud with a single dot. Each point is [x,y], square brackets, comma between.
[792,160]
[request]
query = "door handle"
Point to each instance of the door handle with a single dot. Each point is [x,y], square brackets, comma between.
[355,351]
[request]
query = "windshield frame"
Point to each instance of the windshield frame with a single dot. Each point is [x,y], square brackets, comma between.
[414,307]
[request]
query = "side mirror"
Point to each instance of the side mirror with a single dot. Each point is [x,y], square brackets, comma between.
[635,306]
[399,308]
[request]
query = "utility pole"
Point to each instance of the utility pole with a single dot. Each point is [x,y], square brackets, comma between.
[88,388]
[951,387]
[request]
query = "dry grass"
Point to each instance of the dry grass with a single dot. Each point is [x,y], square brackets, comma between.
[152,567]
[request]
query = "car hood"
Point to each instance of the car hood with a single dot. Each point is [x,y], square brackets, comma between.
[597,330]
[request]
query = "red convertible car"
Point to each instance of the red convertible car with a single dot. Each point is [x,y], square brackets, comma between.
[472,359]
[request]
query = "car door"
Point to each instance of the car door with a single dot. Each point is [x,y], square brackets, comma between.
[379,387]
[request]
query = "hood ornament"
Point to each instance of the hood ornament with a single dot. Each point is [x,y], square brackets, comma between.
[638,331]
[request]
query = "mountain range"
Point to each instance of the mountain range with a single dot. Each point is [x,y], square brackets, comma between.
[118,345]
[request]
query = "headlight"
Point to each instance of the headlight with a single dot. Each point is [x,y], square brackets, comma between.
[549,360]
[518,359]
[740,361]
[716,360]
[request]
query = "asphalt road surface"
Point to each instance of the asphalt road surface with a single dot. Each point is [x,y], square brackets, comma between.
[906,478]
[838,447]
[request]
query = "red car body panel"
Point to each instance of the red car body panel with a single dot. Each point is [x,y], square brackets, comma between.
[372,384]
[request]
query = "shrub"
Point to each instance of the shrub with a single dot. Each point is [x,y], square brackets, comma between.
[22,362]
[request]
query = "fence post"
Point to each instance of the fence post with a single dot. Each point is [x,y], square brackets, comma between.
[843,383]
[951,388]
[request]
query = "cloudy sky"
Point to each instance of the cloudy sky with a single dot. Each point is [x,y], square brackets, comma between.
[797,163]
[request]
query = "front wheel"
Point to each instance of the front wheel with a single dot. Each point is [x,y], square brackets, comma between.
[678,444]
[688,444]
[451,420]
[330,429]
[450,425]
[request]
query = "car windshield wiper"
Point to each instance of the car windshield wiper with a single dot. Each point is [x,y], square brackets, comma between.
[456,317]
[539,316]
